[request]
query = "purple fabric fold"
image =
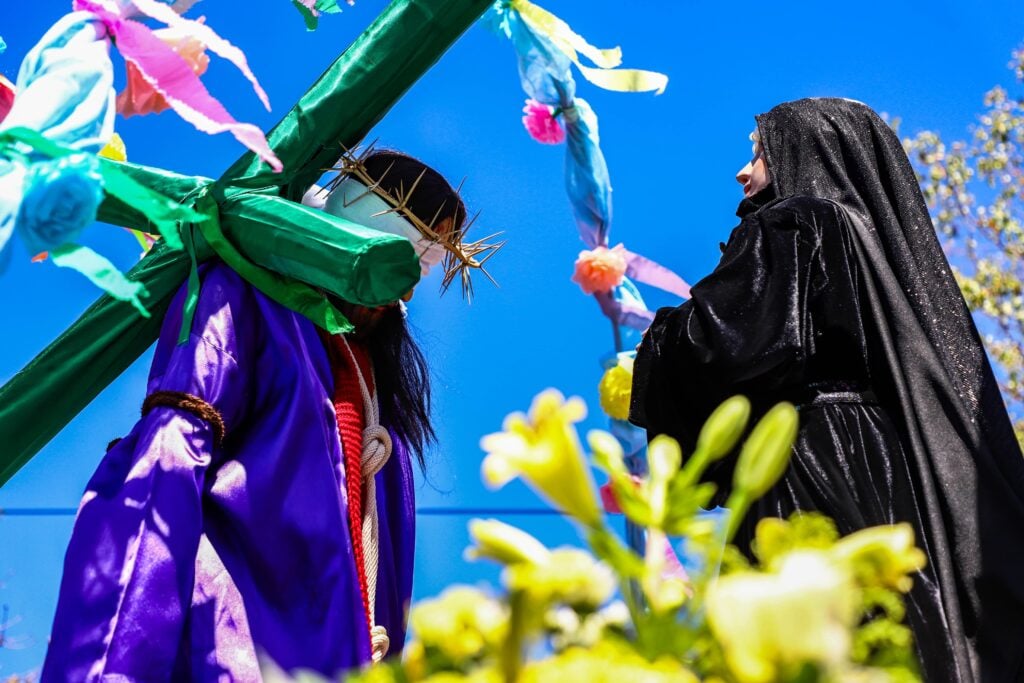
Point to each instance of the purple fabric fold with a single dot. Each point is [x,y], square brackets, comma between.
[188,560]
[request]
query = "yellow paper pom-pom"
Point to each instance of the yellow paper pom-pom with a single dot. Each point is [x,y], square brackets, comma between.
[615,389]
[115,149]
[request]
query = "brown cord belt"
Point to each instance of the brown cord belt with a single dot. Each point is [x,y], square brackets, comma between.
[190,404]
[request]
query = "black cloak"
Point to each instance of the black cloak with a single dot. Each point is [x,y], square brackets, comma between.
[834,293]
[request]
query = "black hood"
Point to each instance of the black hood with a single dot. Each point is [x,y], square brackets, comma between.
[841,150]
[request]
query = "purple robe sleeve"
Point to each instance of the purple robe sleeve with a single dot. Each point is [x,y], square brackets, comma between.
[130,567]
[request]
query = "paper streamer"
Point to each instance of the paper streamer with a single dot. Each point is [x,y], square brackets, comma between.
[571,44]
[173,78]
[547,49]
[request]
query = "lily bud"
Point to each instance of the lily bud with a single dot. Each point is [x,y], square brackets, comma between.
[724,428]
[766,453]
[504,543]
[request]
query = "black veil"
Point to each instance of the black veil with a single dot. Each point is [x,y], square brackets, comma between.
[928,368]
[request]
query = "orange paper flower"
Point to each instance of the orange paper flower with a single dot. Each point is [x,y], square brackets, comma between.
[600,269]
[139,97]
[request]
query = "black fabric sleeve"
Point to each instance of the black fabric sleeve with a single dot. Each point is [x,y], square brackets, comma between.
[746,329]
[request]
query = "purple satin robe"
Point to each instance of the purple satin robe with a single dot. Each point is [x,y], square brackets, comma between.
[187,561]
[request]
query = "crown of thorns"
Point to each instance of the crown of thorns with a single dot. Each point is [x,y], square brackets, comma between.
[461,257]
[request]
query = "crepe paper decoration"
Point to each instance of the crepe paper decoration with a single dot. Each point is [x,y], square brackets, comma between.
[139,97]
[62,198]
[7,91]
[60,201]
[644,270]
[161,212]
[673,568]
[250,205]
[145,240]
[65,92]
[545,73]
[205,35]
[547,49]
[312,9]
[608,500]
[65,86]
[615,388]
[102,273]
[58,222]
[600,269]
[604,74]
[115,150]
[632,315]
[541,122]
[171,76]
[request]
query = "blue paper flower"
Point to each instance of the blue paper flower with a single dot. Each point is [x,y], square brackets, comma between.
[60,201]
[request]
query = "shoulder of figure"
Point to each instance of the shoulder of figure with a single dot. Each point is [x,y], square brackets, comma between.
[801,211]
[218,281]
[802,208]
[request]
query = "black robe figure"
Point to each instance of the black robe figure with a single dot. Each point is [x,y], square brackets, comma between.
[833,293]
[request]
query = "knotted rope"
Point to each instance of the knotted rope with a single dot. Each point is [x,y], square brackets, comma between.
[377,449]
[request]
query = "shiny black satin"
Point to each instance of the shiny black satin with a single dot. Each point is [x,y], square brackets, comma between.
[837,286]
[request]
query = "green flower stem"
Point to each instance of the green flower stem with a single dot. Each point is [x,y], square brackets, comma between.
[737,505]
[512,648]
[607,547]
[694,467]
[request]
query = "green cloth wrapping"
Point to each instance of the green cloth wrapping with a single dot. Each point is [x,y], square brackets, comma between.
[301,248]
[166,183]
[356,263]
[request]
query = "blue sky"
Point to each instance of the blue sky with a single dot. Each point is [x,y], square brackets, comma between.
[672,161]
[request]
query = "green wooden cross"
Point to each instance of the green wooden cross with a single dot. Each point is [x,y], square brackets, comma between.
[253,217]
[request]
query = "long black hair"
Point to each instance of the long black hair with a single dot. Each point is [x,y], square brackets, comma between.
[400,368]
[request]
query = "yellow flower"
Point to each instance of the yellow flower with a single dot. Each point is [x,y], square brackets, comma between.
[504,543]
[463,623]
[882,556]
[770,624]
[616,387]
[482,675]
[569,575]
[606,662]
[544,449]
[774,537]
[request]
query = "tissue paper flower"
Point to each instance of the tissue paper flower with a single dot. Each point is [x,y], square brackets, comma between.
[61,199]
[600,269]
[541,123]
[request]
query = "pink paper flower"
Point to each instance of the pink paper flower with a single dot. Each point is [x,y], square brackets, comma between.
[140,97]
[541,123]
[6,97]
[601,269]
